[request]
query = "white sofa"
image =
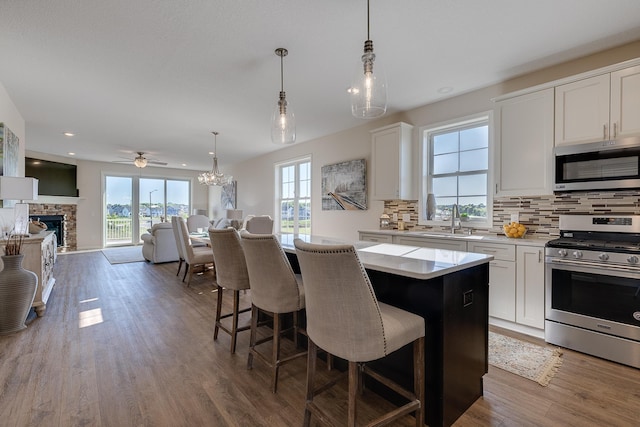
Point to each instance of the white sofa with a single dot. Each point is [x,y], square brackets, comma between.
[159,245]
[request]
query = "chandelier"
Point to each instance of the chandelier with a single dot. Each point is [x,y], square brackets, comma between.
[368,90]
[214,177]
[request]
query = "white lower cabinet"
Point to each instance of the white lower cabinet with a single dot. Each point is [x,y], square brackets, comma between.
[516,282]
[502,278]
[374,237]
[530,286]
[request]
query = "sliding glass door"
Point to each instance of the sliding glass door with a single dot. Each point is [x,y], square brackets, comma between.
[134,204]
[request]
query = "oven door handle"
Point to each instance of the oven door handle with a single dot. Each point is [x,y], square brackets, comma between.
[599,266]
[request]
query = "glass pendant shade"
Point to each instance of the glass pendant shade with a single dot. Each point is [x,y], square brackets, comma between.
[215,177]
[368,90]
[283,121]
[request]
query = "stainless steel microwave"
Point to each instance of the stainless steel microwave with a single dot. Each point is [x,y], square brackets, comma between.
[605,165]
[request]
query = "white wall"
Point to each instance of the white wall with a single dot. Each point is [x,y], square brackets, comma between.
[256,182]
[256,176]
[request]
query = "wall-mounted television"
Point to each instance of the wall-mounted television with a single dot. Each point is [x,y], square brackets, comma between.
[54,179]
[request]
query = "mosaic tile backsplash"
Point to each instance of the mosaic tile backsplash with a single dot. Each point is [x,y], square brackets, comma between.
[538,213]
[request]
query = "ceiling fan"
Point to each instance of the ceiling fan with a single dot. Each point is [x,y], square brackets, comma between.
[141,161]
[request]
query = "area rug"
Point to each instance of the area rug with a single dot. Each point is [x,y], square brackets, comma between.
[522,358]
[124,254]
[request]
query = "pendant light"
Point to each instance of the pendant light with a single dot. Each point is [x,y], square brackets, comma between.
[368,90]
[283,122]
[214,177]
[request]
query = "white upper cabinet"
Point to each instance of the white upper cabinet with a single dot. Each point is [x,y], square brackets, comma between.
[625,102]
[582,111]
[391,158]
[598,108]
[524,144]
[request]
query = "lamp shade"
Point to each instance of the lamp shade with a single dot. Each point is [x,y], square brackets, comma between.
[18,188]
[234,214]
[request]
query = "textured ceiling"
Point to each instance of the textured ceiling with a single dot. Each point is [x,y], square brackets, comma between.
[159,76]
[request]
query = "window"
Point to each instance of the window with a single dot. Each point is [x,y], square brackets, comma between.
[293,191]
[134,204]
[455,169]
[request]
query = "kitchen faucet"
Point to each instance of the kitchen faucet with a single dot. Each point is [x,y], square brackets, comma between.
[455,219]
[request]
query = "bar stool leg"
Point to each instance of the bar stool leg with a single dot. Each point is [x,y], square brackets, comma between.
[312,357]
[218,313]
[234,327]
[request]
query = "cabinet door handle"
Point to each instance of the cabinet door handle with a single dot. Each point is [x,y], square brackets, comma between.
[498,266]
[604,131]
[615,129]
[539,256]
[491,251]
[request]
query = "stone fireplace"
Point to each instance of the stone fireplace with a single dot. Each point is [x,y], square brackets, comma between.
[58,215]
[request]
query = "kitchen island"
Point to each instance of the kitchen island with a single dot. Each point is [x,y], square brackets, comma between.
[450,290]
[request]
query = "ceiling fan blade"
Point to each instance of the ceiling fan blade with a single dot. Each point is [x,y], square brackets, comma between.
[153,162]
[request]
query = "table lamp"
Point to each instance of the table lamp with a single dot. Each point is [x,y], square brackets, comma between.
[235,216]
[19,188]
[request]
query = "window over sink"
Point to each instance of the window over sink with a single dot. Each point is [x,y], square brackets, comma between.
[455,170]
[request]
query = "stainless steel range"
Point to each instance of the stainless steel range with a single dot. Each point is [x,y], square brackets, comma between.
[592,277]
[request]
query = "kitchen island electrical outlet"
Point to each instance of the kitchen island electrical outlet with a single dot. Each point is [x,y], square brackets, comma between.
[515,217]
[406,217]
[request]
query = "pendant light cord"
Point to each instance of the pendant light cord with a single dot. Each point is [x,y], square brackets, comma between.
[281,73]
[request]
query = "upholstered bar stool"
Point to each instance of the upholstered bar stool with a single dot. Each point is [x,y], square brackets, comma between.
[231,270]
[275,290]
[345,318]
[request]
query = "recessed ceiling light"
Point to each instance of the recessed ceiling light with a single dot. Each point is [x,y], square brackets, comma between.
[445,89]
[184,164]
[71,154]
[69,134]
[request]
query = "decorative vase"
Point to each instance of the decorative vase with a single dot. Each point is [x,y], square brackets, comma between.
[431,207]
[17,290]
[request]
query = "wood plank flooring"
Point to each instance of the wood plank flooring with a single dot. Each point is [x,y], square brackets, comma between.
[129,344]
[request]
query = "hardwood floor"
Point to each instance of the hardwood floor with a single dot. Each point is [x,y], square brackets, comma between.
[129,344]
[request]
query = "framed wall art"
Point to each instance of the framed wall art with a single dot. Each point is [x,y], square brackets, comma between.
[344,186]
[228,196]
[9,148]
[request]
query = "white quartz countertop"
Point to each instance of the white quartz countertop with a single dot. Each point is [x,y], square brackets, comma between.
[530,240]
[409,261]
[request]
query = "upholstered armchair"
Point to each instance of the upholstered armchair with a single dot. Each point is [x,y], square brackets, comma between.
[159,245]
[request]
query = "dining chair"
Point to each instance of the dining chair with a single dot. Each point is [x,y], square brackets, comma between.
[179,243]
[262,224]
[345,319]
[194,222]
[200,256]
[231,274]
[275,291]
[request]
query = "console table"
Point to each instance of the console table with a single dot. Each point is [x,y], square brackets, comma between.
[39,256]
